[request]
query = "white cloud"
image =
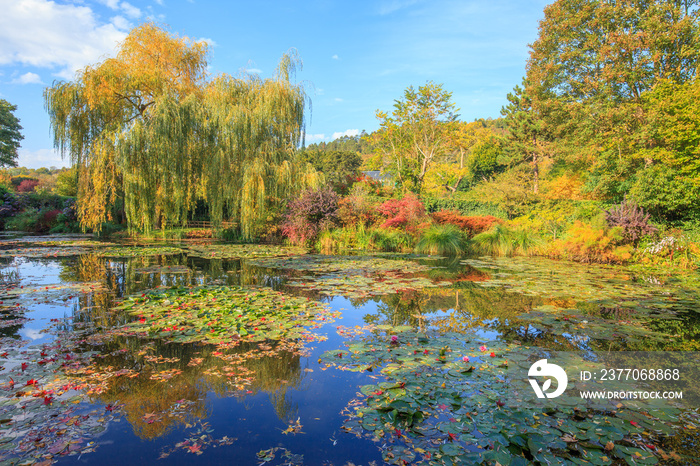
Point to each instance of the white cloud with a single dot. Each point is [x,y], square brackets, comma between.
[208,41]
[160,2]
[338,99]
[40,158]
[130,10]
[28,78]
[121,22]
[314,137]
[253,70]
[32,333]
[113,4]
[347,132]
[127,8]
[335,57]
[64,37]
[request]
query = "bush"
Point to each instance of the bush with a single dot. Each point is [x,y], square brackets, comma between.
[593,244]
[503,241]
[463,206]
[27,186]
[442,240]
[314,212]
[407,214]
[108,229]
[632,219]
[359,237]
[47,219]
[357,209]
[24,221]
[472,225]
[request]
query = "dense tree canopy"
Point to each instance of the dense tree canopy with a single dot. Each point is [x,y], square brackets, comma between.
[340,167]
[10,134]
[606,82]
[417,133]
[149,127]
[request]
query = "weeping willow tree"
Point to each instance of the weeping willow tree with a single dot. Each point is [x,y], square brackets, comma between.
[149,129]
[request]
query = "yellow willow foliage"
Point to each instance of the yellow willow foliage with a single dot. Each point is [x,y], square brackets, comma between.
[147,127]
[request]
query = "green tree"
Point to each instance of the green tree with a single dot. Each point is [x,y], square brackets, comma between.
[417,133]
[339,167]
[525,131]
[67,182]
[589,72]
[149,128]
[10,135]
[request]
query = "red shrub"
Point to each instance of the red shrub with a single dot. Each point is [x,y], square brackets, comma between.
[407,213]
[46,220]
[473,225]
[27,186]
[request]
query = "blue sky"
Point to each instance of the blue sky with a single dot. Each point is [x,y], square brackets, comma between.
[358,56]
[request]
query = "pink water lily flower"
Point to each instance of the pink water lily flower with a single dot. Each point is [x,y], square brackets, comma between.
[482,348]
[465,359]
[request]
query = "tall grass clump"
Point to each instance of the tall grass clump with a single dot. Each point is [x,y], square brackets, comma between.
[442,240]
[501,240]
[390,240]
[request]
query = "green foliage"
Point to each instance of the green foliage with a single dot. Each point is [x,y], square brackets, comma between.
[67,182]
[666,193]
[552,217]
[525,130]
[359,237]
[24,221]
[416,134]
[442,240]
[10,134]
[613,86]
[340,168]
[502,240]
[358,144]
[510,191]
[229,142]
[463,206]
[109,229]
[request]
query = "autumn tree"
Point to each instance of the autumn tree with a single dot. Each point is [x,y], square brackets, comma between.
[473,155]
[589,70]
[10,134]
[148,127]
[417,133]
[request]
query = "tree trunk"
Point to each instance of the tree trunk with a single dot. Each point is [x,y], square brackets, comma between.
[535,168]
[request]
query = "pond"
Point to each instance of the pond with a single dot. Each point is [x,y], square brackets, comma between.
[204,353]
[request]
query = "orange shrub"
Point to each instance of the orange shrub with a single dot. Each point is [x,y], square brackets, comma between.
[357,210]
[585,243]
[473,225]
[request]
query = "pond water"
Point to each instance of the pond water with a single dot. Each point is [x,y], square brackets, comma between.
[200,353]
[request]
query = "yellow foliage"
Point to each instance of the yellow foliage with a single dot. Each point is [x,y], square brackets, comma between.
[148,128]
[586,243]
[563,187]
